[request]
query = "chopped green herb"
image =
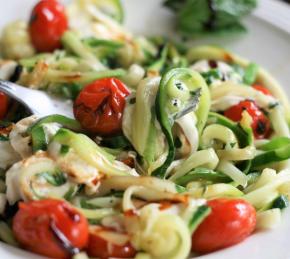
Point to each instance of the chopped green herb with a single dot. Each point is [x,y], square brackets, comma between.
[232,144]
[55,179]
[64,149]
[273,105]
[211,76]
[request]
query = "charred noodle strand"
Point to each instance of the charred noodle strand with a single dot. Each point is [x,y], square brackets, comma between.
[57,76]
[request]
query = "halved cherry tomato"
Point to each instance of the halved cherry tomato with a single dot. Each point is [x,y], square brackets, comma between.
[230,222]
[262,89]
[99,106]
[101,248]
[47,24]
[3,105]
[261,125]
[51,228]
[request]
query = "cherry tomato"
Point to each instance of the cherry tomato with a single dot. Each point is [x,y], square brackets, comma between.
[103,249]
[51,228]
[230,222]
[3,105]
[47,24]
[261,125]
[262,89]
[99,106]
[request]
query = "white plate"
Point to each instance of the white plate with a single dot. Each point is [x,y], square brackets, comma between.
[267,43]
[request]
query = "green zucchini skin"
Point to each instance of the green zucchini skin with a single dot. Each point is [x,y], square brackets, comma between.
[244,135]
[280,202]
[193,81]
[203,174]
[200,214]
[38,136]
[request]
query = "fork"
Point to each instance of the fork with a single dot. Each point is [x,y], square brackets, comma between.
[35,101]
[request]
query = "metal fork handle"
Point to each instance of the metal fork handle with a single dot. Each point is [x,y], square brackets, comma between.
[16,92]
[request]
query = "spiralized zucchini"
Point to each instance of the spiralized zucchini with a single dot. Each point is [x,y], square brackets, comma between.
[215,53]
[206,158]
[15,41]
[36,178]
[220,133]
[160,234]
[147,185]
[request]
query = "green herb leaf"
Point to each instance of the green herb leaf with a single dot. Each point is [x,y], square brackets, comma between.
[55,179]
[207,17]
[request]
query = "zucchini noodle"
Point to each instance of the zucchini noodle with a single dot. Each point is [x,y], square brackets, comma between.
[124,182]
[204,158]
[160,234]
[264,77]
[221,133]
[145,98]
[15,41]
[188,125]
[213,191]
[268,219]
[104,202]
[223,103]
[97,214]
[237,154]
[278,122]
[148,194]
[232,89]
[264,195]
[28,180]
[169,130]
[127,203]
[232,171]
[134,76]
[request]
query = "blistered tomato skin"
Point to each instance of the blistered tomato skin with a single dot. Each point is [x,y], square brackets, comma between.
[103,249]
[51,228]
[261,124]
[230,222]
[100,105]
[47,24]
[3,105]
